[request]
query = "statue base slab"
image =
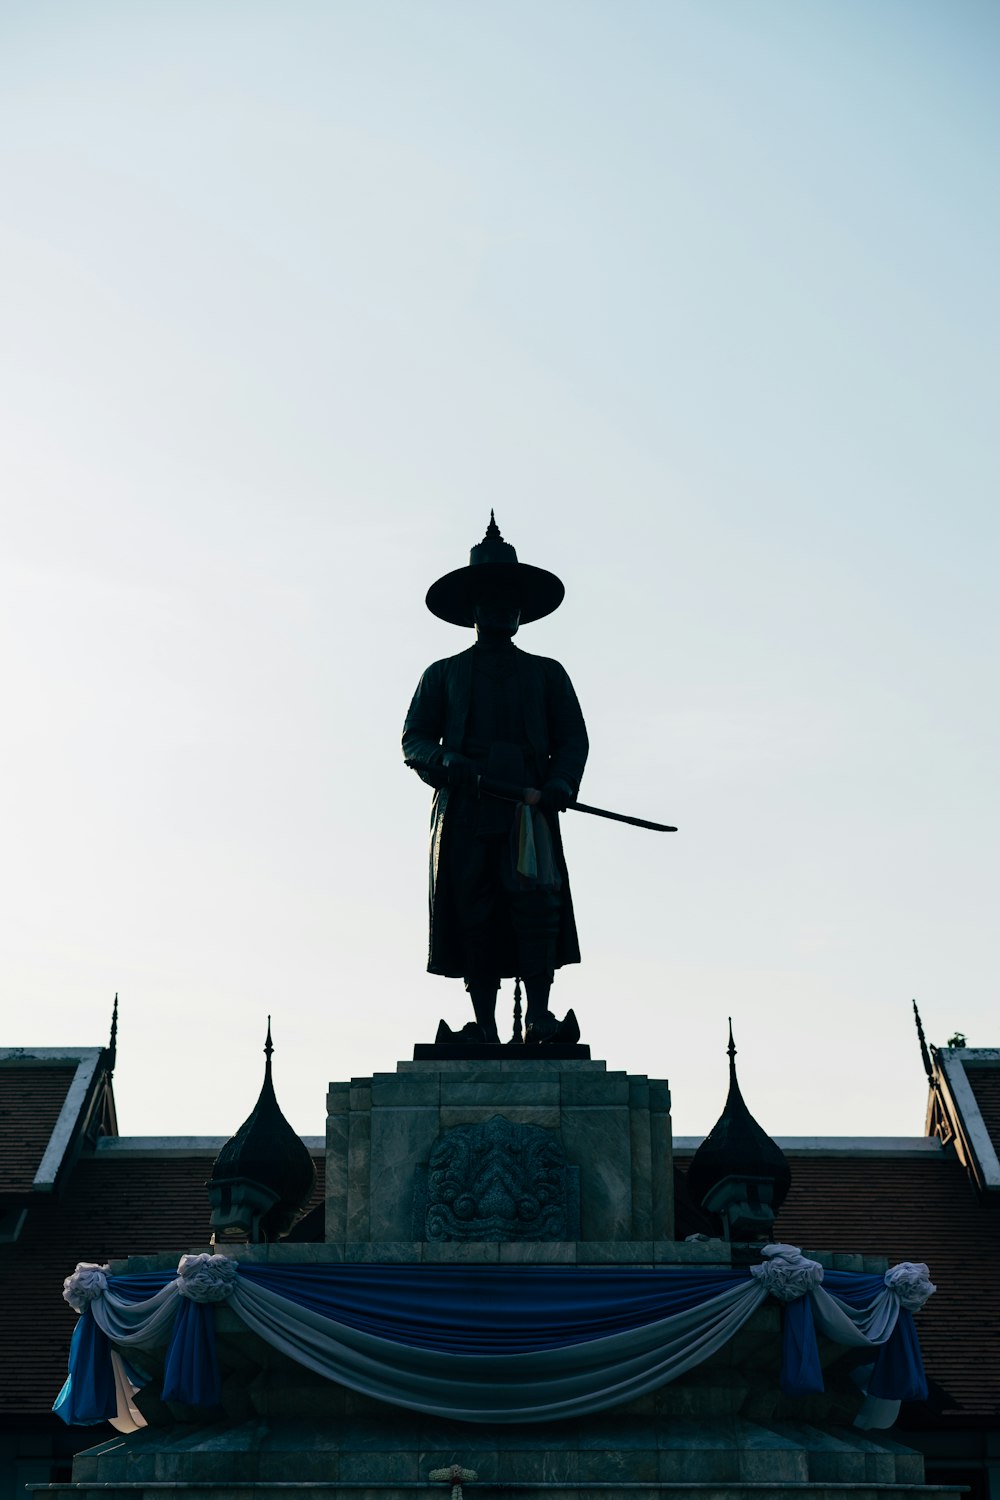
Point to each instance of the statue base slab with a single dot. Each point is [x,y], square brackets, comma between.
[506,1052]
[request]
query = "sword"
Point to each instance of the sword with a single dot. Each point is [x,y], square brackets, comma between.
[516,794]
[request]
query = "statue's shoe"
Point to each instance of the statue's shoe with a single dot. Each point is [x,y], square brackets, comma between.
[471,1034]
[549,1029]
[541,1031]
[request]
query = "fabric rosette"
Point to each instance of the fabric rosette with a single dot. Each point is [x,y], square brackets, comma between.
[786,1273]
[206,1278]
[88,1282]
[911,1281]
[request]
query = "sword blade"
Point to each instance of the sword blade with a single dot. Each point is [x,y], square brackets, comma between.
[602,812]
[507,793]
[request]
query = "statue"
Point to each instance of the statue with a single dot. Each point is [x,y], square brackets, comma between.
[493,716]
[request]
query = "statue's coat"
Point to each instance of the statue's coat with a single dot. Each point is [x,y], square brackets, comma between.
[436,723]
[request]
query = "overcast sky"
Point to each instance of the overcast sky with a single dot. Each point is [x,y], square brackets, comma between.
[702,298]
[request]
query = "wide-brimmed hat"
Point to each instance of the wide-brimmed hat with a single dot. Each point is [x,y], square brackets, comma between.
[494,561]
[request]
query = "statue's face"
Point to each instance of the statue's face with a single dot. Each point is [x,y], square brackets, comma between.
[498,610]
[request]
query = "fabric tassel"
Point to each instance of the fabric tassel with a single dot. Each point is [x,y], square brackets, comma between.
[527,858]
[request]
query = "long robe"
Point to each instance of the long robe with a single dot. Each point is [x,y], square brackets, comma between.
[436,724]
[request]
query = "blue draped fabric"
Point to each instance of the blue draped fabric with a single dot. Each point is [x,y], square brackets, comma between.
[88,1395]
[191,1374]
[801,1371]
[492,1309]
[899,1366]
[477,1310]
[853,1288]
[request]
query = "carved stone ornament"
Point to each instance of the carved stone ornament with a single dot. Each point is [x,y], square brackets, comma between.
[498,1181]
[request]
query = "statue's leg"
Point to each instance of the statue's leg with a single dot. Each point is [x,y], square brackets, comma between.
[536,989]
[535,917]
[483,994]
[474,906]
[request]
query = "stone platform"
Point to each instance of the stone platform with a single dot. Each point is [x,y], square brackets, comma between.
[720,1432]
[435,1163]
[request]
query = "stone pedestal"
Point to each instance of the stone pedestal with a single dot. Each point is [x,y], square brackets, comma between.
[721,1432]
[612,1128]
[498,1162]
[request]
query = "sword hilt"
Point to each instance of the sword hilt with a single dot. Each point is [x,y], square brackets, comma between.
[509,793]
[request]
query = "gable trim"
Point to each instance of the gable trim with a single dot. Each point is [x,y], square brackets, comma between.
[972,1136]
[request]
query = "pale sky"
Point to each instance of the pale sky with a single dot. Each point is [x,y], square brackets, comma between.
[702,298]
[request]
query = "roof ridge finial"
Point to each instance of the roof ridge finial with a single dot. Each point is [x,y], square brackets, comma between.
[925,1053]
[113,1043]
[268,1045]
[731,1049]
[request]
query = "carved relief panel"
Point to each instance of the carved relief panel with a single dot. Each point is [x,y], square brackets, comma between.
[496,1180]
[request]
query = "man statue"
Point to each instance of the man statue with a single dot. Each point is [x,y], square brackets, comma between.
[499,894]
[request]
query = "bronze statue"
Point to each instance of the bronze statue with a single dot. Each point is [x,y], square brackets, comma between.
[493,716]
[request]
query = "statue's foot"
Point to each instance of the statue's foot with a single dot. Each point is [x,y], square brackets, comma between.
[540,1031]
[549,1029]
[471,1034]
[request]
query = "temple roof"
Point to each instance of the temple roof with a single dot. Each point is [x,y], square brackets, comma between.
[50,1099]
[963,1109]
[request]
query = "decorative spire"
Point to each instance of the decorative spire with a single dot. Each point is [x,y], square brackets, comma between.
[738,1171]
[113,1043]
[925,1054]
[492,530]
[264,1174]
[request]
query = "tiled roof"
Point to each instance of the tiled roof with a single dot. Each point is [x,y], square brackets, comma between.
[918,1207]
[985,1085]
[31,1098]
[113,1206]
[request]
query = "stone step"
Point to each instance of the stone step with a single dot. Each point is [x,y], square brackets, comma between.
[599,1453]
[359,1490]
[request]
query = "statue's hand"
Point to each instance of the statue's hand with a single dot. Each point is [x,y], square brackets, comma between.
[531,795]
[557,795]
[461,770]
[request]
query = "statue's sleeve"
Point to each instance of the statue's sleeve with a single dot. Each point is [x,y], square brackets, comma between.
[568,742]
[424,728]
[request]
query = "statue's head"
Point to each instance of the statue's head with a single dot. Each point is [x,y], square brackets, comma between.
[497,609]
[495,592]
